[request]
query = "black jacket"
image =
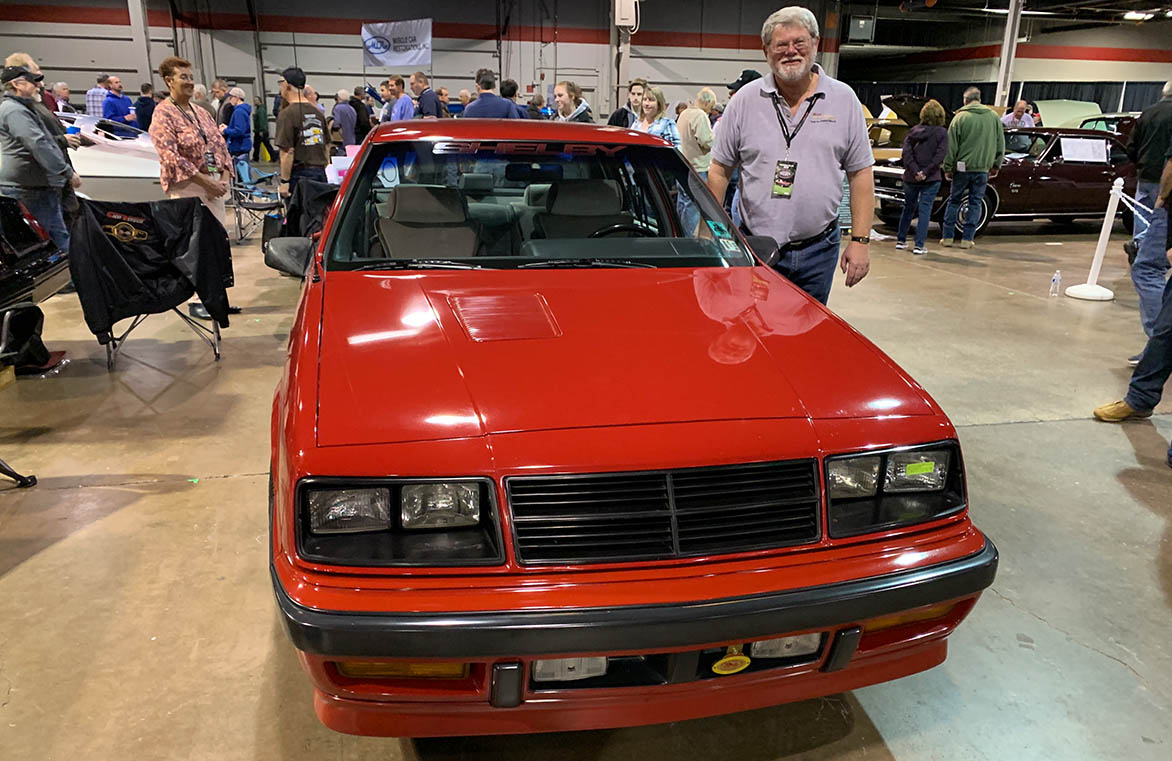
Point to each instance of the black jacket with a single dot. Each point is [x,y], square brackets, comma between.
[362,124]
[1149,141]
[128,259]
[924,149]
[623,117]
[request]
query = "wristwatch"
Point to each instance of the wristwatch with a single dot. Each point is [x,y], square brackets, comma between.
[860,239]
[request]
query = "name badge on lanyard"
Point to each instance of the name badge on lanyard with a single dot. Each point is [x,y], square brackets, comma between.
[209,161]
[786,171]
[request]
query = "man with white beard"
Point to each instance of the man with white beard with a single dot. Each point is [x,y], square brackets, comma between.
[794,133]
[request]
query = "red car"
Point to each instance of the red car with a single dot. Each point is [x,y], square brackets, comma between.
[545,458]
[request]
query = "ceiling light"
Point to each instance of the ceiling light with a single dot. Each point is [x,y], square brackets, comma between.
[1138,16]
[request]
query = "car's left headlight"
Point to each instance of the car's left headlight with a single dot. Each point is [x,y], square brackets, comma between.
[884,490]
[395,522]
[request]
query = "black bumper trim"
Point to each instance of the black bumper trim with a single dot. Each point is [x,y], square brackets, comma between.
[492,634]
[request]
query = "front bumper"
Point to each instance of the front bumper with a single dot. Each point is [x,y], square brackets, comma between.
[485,635]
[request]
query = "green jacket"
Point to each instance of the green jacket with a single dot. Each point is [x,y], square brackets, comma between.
[977,138]
[260,119]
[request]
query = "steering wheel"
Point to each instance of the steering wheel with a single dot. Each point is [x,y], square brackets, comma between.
[622,228]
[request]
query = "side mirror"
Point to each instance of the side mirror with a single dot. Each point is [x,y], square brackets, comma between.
[764,247]
[289,255]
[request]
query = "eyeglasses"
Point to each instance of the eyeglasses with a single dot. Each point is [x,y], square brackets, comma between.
[801,45]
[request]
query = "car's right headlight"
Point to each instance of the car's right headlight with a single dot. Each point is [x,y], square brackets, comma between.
[396,522]
[884,490]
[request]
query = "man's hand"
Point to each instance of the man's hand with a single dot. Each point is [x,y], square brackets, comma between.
[856,262]
[73,141]
[75,181]
[948,176]
[223,127]
[1159,203]
[215,188]
[130,117]
[993,172]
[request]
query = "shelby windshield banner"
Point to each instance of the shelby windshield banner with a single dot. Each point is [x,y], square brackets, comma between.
[397,43]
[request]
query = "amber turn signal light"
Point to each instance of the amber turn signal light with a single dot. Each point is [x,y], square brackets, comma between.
[908,617]
[402,670]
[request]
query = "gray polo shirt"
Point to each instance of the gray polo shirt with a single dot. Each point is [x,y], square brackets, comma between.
[832,141]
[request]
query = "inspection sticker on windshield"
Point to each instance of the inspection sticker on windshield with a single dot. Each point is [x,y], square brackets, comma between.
[919,468]
[719,229]
[729,244]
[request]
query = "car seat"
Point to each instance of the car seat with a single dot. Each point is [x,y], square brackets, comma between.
[427,220]
[577,208]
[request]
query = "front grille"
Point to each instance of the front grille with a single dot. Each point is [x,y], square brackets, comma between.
[615,517]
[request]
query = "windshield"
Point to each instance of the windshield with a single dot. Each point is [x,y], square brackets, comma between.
[529,204]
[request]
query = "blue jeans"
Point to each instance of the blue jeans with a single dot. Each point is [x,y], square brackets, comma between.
[917,197]
[688,210]
[1145,193]
[811,267]
[1150,267]
[973,185]
[45,205]
[1150,375]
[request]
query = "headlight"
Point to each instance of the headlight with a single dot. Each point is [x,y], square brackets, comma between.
[875,492]
[439,505]
[398,522]
[345,511]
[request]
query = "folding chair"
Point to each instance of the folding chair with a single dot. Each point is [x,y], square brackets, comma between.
[8,354]
[251,203]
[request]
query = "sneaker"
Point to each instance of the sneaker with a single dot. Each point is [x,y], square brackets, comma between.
[966,244]
[918,251]
[1134,360]
[946,242]
[901,245]
[1131,248]
[1117,412]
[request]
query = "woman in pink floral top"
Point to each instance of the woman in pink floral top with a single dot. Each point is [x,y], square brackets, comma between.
[193,158]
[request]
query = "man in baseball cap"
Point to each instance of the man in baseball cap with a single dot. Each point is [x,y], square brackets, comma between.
[747,76]
[19,72]
[294,76]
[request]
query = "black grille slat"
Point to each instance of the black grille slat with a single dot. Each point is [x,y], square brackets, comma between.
[624,517]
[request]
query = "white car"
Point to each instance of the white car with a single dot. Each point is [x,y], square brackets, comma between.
[117,162]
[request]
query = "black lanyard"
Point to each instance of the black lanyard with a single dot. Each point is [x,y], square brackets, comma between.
[789,137]
[194,122]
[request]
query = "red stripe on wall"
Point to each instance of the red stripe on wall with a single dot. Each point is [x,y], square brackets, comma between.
[80,14]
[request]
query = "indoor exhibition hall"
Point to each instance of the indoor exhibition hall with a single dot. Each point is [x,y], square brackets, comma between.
[623,379]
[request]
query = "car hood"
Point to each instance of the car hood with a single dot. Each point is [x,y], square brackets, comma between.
[907,107]
[411,357]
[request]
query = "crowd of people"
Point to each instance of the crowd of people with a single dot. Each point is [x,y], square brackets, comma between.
[797,121]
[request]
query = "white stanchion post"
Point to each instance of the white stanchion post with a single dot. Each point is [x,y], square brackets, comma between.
[1091,290]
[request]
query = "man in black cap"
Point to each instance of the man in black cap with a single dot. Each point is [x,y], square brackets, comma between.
[301,136]
[747,76]
[34,169]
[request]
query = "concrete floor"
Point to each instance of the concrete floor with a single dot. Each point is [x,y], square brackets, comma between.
[136,616]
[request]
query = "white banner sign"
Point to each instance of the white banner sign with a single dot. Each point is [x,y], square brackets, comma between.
[397,43]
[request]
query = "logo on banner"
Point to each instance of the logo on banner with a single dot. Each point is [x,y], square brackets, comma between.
[378,45]
[397,43]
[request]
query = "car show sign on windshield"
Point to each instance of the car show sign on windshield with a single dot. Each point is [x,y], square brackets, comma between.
[1084,150]
[397,43]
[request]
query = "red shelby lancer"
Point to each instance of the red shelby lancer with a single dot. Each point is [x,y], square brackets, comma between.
[555,449]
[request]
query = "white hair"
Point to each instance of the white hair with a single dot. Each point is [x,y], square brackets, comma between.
[199,91]
[706,98]
[1168,89]
[973,95]
[343,95]
[793,15]
[58,86]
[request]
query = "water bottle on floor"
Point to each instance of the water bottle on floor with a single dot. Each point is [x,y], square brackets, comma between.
[1056,283]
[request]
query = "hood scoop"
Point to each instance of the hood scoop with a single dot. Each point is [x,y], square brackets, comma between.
[505,317]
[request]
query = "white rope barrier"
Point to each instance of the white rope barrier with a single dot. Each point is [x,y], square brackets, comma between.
[1091,290]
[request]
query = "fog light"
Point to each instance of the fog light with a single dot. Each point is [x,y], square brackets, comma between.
[421,670]
[440,505]
[568,669]
[787,647]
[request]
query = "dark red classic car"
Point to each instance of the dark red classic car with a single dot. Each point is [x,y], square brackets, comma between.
[543,459]
[1054,173]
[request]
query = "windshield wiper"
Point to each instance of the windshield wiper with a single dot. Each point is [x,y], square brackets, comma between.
[418,264]
[623,263]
